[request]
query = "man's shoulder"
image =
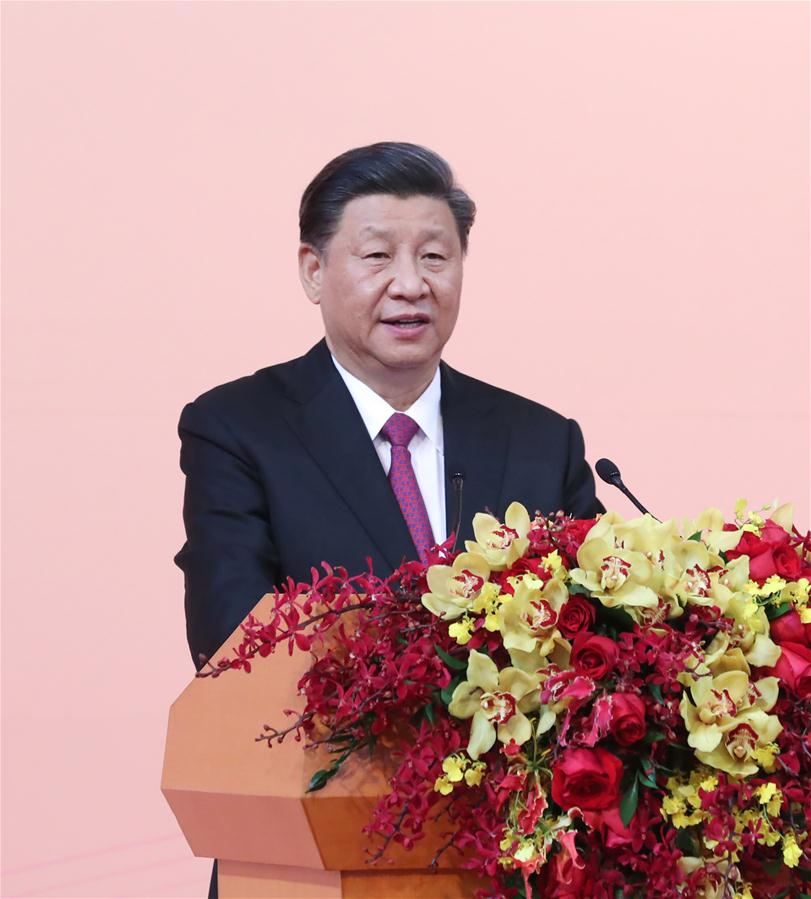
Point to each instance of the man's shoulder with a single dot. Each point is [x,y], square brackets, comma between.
[263,387]
[504,404]
[247,388]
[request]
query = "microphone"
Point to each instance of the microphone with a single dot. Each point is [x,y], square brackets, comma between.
[609,473]
[458,481]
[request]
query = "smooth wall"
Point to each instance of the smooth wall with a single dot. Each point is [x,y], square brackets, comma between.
[640,262]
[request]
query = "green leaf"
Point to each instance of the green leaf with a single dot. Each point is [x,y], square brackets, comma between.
[616,618]
[647,776]
[629,803]
[653,736]
[579,589]
[449,660]
[772,866]
[656,692]
[696,536]
[773,612]
[319,780]
[687,842]
[428,711]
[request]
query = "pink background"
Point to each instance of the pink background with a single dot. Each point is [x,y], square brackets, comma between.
[640,263]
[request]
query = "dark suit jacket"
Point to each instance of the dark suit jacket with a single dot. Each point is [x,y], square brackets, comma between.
[281,475]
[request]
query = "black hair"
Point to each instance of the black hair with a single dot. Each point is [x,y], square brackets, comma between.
[389,167]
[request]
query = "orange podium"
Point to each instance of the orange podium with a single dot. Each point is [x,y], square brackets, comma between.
[246,804]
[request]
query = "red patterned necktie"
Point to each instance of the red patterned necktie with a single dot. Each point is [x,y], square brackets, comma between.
[399,430]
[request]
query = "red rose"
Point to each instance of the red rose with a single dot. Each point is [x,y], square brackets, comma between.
[594,656]
[628,718]
[577,614]
[761,550]
[586,778]
[576,531]
[794,668]
[789,628]
[535,566]
[787,563]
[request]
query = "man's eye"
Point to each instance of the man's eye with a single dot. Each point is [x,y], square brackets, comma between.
[379,255]
[434,256]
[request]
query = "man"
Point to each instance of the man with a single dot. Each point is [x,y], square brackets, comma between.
[288,467]
[369,445]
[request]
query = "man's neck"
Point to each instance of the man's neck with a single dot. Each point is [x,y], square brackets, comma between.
[400,388]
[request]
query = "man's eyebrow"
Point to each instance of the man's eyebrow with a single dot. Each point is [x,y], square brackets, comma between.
[375,231]
[430,233]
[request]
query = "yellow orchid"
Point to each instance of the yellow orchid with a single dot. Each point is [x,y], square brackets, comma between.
[533,662]
[737,752]
[475,774]
[699,575]
[750,635]
[456,768]
[769,796]
[796,594]
[791,851]
[719,701]
[720,586]
[715,709]
[710,524]
[528,622]
[500,544]
[462,630]
[488,603]
[454,588]
[496,701]
[658,541]
[782,515]
[617,577]
[719,877]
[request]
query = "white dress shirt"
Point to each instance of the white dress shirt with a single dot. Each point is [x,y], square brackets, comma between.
[427,446]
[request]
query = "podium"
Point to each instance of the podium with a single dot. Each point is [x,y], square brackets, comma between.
[246,804]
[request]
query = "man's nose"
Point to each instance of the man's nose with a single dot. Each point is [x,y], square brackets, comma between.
[407,281]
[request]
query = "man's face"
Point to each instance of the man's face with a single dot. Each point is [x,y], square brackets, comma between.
[389,284]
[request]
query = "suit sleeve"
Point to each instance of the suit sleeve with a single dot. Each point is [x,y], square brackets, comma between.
[228,560]
[580,499]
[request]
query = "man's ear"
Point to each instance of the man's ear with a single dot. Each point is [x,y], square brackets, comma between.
[310,266]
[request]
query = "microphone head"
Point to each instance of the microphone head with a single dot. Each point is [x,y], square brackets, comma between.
[608,472]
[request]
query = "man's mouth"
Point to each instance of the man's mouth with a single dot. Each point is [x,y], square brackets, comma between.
[407,322]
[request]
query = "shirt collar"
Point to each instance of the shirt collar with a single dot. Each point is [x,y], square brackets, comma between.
[375,411]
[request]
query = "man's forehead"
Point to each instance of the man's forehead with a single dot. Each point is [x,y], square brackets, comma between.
[389,210]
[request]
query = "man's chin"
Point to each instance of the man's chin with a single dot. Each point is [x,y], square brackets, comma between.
[409,358]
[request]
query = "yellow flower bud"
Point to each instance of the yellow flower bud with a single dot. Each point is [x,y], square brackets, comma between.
[791,851]
[460,630]
[475,773]
[443,785]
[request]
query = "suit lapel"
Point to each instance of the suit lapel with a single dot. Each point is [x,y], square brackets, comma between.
[476,445]
[331,429]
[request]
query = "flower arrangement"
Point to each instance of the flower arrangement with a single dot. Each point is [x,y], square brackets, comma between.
[600,708]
